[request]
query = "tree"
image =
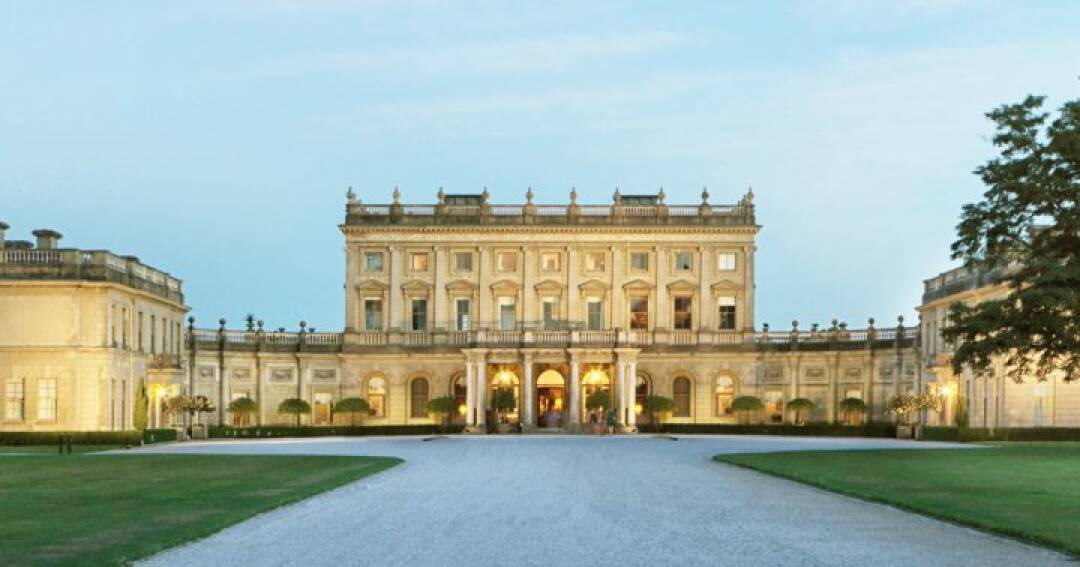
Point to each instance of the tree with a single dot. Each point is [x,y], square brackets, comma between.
[443,409]
[296,407]
[1026,230]
[242,409]
[198,405]
[852,408]
[658,407]
[743,405]
[799,405]
[352,406]
[503,401]
[598,401]
[141,417]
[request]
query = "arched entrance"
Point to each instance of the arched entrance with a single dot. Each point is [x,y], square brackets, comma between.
[550,396]
[505,378]
[593,380]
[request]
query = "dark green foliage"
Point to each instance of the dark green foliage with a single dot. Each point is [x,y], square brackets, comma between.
[976,434]
[799,405]
[242,408]
[321,431]
[151,436]
[598,400]
[658,407]
[1028,226]
[745,405]
[811,429]
[19,438]
[503,400]
[142,407]
[443,408]
[352,406]
[296,407]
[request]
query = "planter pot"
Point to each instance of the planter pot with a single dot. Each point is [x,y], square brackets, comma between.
[905,431]
[598,428]
[199,432]
[507,428]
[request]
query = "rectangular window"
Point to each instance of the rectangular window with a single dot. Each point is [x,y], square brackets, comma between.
[727,313]
[595,315]
[46,402]
[639,261]
[139,320]
[725,261]
[373,261]
[507,316]
[683,315]
[419,314]
[550,317]
[507,261]
[153,334]
[463,261]
[373,315]
[684,261]
[774,405]
[14,399]
[639,313]
[418,261]
[594,261]
[124,329]
[461,317]
[549,262]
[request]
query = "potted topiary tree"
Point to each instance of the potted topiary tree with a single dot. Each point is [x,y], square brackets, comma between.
[352,406]
[442,410]
[904,406]
[798,406]
[503,401]
[597,403]
[658,408]
[743,406]
[853,409]
[242,409]
[195,407]
[295,407]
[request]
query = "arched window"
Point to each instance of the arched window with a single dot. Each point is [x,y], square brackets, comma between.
[418,396]
[376,396]
[681,389]
[725,392]
[460,394]
[641,391]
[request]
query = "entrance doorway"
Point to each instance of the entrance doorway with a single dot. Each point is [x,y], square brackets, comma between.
[550,388]
[320,410]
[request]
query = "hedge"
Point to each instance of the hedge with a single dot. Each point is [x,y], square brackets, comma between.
[1001,434]
[810,429]
[22,438]
[151,436]
[325,431]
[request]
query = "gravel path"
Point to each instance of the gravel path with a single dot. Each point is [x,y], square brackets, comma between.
[566,500]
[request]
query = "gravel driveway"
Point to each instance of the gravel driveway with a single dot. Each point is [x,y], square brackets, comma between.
[567,500]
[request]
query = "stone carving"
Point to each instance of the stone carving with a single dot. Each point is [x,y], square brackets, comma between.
[815,374]
[206,372]
[281,374]
[852,373]
[774,374]
[324,375]
[240,374]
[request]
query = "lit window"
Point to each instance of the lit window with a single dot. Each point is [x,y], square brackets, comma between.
[639,313]
[549,262]
[507,262]
[14,398]
[463,261]
[376,397]
[419,397]
[419,314]
[418,261]
[725,261]
[727,313]
[373,261]
[595,319]
[639,261]
[681,391]
[46,402]
[684,261]
[373,315]
[683,315]
[725,392]
[594,261]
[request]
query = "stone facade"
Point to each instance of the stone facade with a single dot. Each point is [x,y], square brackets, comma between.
[996,400]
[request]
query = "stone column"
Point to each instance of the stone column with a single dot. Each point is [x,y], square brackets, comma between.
[529,406]
[573,420]
[396,306]
[662,319]
[617,299]
[483,295]
[705,308]
[481,390]
[352,309]
[748,287]
[573,311]
[528,281]
[631,395]
[470,394]
[441,307]
[619,395]
[834,384]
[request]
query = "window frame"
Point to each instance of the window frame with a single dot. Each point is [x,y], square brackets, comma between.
[633,323]
[687,322]
[675,266]
[367,320]
[720,264]
[684,401]
[499,262]
[547,255]
[590,265]
[418,400]
[414,256]
[724,310]
[47,386]
[639,254]
[458,255]
[15,398]
[368,255]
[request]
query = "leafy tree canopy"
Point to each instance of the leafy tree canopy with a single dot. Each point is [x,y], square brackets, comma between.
[243,405]
[352,405]
[598,400]
[801,404]
[294,406]
[746,403]
[852,405]
[443,405]
[1027,226]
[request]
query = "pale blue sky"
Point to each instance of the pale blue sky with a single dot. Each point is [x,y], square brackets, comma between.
[215,140]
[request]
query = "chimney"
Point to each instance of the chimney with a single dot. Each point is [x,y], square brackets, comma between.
[47,239]
[3,227]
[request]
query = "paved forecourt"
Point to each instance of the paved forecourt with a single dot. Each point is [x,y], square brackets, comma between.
[568,500]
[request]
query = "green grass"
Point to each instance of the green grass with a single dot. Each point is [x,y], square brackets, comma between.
[111,509]
[1025,490]
[53,449]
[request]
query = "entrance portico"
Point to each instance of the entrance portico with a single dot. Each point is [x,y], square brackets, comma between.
[559,395]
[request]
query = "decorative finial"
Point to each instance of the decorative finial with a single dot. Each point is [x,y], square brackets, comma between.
[573,195]
[795,325]
[660,196]
[617,197]
[397,195]
[765,327]
[441,196]
[529,196]
[749,198]
[221,322]
[485,194]
[259,323]
[350,195]
[900,320]
[704,195]
[303,325]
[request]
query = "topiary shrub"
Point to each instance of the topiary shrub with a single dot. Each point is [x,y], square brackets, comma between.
[799,405]
[443,409]
[295,407]
[352,406]
[658,408]
[745,405]
[853,409]
[242,409]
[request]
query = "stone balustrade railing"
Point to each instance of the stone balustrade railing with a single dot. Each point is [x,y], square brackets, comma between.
[742,214]
[90,265]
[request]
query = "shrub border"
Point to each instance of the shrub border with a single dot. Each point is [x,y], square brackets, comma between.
[270,431]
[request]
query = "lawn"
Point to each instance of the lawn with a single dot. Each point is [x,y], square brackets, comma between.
[110,509]
[46,449]
[1024,490]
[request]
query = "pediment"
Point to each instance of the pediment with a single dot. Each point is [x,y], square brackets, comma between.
[371,286]
[638,283]
[461,286]
[681,285]
[594,285]
[550,285]
[726,284]
[505,285]
[416,286]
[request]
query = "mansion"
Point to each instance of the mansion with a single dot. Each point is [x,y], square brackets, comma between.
[462,297]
